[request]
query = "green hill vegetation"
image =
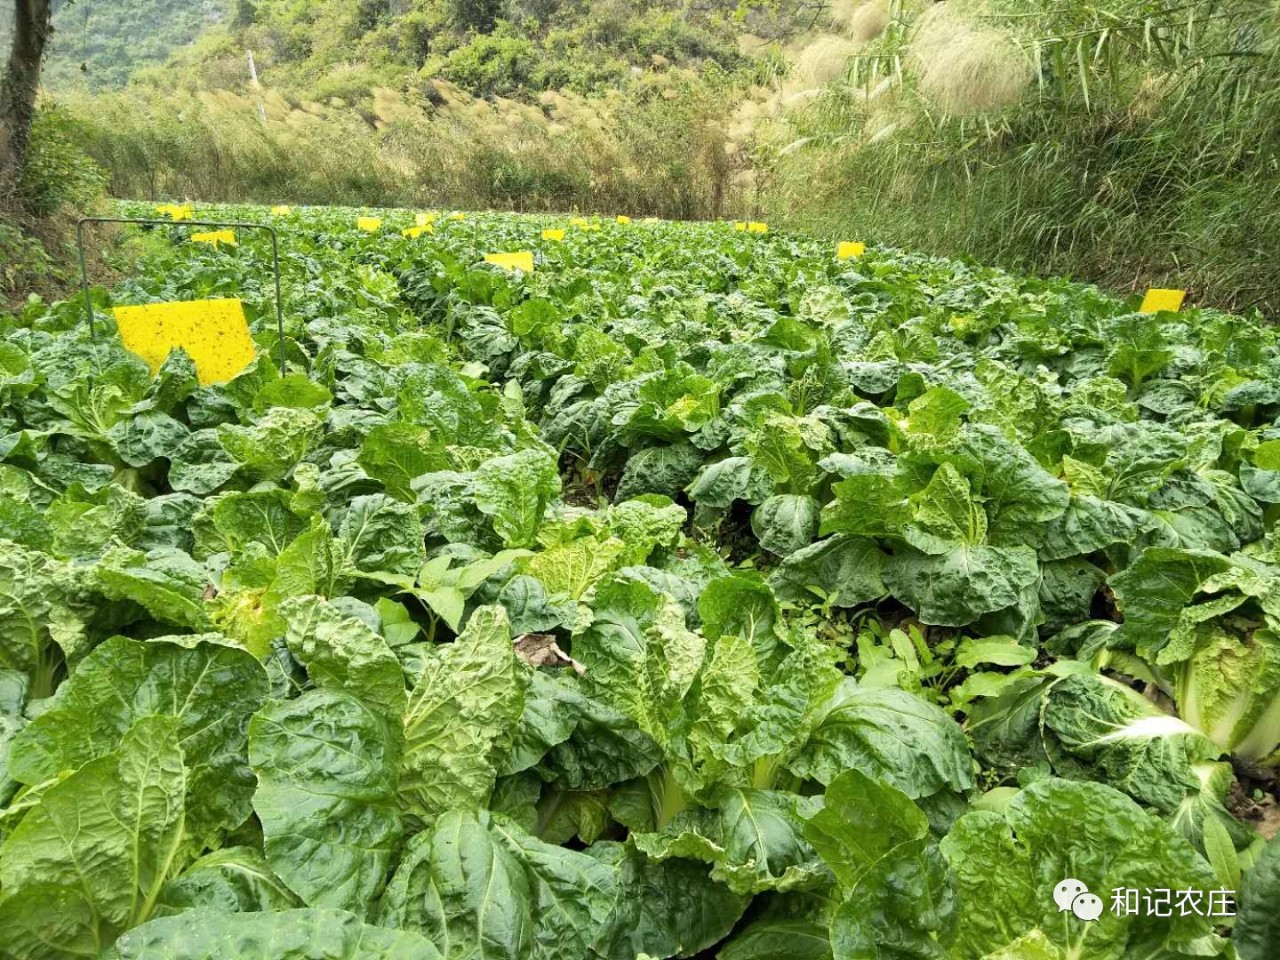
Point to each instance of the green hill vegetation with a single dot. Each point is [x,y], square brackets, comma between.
[520,105]
[99,44]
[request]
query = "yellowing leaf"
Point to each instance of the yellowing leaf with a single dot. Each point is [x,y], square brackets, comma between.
[740,226]
[624,220]
[413,233]
[369,224]
[281,211]
[522,260]
[458,216]
[849,250]
[213,332]
[757,227]
[552,234]
[215,237]
[424,219]
[1157,300]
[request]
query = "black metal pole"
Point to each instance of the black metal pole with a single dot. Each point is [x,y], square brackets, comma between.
[84,279]
[275,262]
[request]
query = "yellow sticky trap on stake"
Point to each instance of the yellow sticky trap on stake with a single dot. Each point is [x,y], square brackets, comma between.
[213,332]
[413,233]
[1157,300]
[175,212]
[369,224]
[215,237]
[281,211]
[624,220]
[424,219]
[522,260]
[756,227]
[850,250]
[552,234]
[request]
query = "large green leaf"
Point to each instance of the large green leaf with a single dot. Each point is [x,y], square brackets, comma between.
[88,860]
[845,570]
[342,652]
[396,453]
[480,886]
[514,491]
[232,879]
[957,587]
[1129,742]
[889,735]
[327,767]
[39,627]
[862,823]
[667,909]
[786,523]
[753,840]
[381,535]
[1154,589]
[209,689]
[286,935]
[1008,865]
[1257,931]
[461,715]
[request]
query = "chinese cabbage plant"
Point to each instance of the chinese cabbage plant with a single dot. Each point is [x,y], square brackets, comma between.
[694,594]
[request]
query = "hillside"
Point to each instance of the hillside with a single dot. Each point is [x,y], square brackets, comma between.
[100,44]
[517,48]
[487,47]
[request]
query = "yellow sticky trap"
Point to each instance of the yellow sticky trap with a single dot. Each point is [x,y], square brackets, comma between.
[424,219]
[213,332]
[281,211]
[849,250]
[1158,300]
[413,233]
[755,227]
[740,226]
[175,211]
[552,234]
[523,260]
[215,237]
[369,224]
[624,220]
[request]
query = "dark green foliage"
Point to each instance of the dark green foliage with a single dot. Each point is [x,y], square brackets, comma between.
[683,594]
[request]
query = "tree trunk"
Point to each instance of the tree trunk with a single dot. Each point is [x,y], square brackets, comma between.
[20,82]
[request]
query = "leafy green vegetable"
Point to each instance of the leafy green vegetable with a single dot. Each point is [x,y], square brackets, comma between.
[677,597]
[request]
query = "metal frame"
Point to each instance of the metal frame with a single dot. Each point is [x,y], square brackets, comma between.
[275,261]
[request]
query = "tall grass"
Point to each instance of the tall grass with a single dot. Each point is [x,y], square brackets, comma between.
[1132,143]
[658,149]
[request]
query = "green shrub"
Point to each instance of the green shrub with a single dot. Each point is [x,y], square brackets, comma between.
[489,66]
[57,172]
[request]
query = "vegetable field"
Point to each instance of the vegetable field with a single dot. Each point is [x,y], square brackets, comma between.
[696,593]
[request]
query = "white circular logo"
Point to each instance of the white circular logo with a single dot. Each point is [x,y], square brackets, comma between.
[1087,906]
[1073,895]
[1067,891]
